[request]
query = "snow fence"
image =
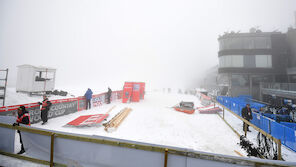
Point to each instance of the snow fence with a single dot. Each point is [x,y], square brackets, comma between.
[60,107]
[56,148]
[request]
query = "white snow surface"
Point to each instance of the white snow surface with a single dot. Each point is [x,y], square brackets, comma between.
[153,120]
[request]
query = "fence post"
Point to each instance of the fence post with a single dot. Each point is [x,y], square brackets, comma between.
[166,157]
[51,149]
[245,128]
[279,150]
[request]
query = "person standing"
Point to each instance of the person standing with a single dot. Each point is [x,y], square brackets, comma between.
[109,95]
[46,104]
[88,96]
[247,114]
[23,117]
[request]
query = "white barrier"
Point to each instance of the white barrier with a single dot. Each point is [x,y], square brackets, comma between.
[70,150]
[7,135]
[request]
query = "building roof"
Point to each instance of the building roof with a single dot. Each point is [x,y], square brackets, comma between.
[36,67]
[250,34]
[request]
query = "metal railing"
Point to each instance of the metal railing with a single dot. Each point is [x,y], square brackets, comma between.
[279,86]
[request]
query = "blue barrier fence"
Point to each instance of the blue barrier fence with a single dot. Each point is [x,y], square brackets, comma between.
[270,123]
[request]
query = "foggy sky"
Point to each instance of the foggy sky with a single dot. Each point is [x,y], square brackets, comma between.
[165,43]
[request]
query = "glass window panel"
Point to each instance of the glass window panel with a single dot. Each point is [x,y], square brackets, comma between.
[269,61]
[240,80]
[263,61]
[228,61]
[237,60]
[249,61]
[260,42]
[248,43]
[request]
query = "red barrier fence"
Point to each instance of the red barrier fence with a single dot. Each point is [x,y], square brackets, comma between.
[60,107]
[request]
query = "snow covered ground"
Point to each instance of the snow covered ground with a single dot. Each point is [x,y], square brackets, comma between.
[152,120]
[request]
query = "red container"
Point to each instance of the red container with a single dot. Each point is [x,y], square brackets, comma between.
[136,92]
[127,91]
[133,91]
[142,90]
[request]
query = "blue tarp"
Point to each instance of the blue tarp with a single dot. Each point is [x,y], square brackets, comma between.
[256,119]
[289,124]
[277,131]
[290,141]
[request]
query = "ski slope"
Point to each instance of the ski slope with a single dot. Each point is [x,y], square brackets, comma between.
[152,120]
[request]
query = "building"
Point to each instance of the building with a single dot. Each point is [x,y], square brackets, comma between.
[32,79]
[247,59]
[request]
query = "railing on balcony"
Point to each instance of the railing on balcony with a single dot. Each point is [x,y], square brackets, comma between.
[279,86]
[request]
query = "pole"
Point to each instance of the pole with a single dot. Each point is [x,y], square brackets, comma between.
[51,149]
[45,80]
[245,128]
[166,157]
[5,87]
[279,149]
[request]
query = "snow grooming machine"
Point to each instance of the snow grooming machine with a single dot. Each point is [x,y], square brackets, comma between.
[186,107]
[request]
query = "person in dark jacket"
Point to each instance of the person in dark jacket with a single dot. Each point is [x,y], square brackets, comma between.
[88,96]
[23,117]
[46,104]
[247,114]
[109,95]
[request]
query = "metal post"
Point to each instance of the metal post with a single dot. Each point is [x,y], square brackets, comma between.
[5,86]
[51,149]
[45,79]
[245,128]
[166,157]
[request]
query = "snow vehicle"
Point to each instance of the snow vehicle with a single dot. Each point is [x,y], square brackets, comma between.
[186,107]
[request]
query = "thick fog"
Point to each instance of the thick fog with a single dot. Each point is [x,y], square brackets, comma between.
[165,43]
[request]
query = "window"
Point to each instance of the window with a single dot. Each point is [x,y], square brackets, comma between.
[245,43]
[263,61]
[249,61]
[237,61]
[231,61]
[43,76]
[240,80]
[262,43]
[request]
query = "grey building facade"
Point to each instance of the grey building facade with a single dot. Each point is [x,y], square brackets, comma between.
[248,59]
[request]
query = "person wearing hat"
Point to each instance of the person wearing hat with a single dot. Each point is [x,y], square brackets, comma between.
[45,108]
[247,114]
[23,117]
[88,96]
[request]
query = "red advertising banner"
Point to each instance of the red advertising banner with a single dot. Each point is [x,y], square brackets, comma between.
[88,120]
[59,107]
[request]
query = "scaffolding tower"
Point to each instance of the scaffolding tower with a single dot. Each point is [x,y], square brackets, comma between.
[3,84]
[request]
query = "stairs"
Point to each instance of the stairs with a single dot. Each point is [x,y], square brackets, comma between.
[3,84]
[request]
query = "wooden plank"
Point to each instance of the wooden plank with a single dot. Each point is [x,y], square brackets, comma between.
[238,153]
